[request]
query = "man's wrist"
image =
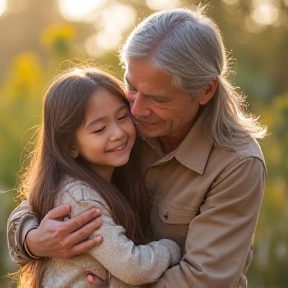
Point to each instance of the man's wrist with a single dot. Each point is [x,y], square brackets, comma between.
[28,252]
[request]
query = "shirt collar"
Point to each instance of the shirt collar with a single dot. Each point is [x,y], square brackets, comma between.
[194,150]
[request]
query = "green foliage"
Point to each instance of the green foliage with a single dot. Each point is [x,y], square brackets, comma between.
[272,236]
[21,103]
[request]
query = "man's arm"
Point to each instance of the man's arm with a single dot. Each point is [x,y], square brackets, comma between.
[218,245]
[53,237]
[16,232]
[219,238]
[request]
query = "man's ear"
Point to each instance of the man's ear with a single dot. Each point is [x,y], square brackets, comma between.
[207,92]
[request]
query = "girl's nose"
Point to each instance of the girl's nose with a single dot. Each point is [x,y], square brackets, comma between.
[117,133]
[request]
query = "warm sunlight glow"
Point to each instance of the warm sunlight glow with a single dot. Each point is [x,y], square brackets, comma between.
[122,19]
[265,12]
[109,39]
[3,6]
[109,29]
[252,26]
[104,40]
[77,10]
[111,20]
[162,4]
[231,2]
[92,47]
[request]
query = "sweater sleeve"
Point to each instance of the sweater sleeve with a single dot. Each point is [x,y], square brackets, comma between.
[132,264]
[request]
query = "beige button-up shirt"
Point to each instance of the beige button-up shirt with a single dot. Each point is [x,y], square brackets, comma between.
[206,199]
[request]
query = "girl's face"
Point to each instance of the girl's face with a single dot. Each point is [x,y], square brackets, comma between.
[107,134]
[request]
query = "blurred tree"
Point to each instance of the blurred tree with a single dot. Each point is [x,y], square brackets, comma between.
[269,266]
[19,101]
[21,91]
[57,38]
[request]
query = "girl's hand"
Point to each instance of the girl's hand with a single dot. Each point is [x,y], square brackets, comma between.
[94,282]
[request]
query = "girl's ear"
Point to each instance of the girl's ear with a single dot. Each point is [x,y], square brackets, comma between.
[207,92]
[74,153]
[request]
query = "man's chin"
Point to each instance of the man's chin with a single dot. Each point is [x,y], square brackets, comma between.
[145,134]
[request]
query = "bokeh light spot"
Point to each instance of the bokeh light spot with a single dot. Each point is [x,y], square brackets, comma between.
[3,7]
[231,2]
[265,13]
[162,4]
[76,10]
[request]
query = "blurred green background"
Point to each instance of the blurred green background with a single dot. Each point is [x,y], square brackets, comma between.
[38,36]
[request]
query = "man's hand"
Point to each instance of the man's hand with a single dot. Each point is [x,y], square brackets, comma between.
[58,239]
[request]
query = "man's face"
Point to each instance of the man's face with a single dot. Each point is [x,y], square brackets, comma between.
[159,109]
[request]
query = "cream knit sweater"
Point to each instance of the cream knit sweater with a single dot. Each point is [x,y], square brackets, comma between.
[117,256]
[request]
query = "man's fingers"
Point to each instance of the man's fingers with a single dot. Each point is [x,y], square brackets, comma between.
[87,220]
[68,238]
[84,232]
[86,245]
[79,239]
[59,212]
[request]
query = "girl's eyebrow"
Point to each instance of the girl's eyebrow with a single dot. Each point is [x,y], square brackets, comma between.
[100,119]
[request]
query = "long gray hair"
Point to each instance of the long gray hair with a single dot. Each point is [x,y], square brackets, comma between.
[188,46]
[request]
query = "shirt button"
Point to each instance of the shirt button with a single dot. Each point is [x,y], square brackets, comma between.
[166,215]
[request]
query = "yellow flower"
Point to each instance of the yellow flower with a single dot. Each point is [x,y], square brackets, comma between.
[26,76]
[58,37]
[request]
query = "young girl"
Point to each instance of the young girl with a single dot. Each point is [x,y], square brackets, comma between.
[82,158]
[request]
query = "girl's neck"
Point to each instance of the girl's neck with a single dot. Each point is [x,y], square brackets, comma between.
[104,171]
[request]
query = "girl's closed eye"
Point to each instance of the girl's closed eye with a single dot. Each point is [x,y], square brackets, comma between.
[124,116]
[99,130]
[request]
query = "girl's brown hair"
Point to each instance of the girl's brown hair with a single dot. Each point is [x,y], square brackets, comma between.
[63,112]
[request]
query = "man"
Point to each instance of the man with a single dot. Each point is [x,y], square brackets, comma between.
[202,163]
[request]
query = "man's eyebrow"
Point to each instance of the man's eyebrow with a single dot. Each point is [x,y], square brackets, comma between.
[156,94]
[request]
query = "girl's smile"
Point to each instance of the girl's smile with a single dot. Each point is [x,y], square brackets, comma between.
[107,135]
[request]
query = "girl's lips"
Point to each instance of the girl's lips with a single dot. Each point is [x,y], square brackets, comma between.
[119,148]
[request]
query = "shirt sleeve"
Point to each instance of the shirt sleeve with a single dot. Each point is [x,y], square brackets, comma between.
[20,222]
[219,238]
[130,263]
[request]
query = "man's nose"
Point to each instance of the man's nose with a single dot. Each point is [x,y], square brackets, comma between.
[139,105]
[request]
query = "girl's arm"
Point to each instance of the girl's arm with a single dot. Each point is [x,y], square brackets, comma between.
[132,264]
